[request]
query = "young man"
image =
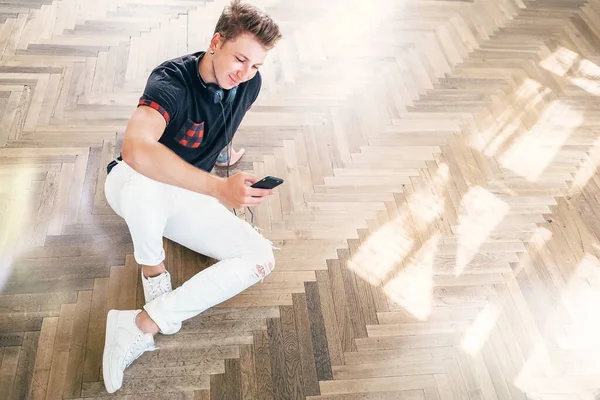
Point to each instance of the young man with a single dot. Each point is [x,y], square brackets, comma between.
[161,186]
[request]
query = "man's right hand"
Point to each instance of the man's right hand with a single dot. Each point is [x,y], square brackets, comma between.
[234,192]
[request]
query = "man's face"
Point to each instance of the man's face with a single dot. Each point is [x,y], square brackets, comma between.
[236,61]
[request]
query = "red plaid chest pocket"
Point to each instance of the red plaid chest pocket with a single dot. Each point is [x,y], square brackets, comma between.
[190,135]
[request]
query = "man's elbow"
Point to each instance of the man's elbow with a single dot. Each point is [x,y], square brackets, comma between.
[132,153]
[141,138]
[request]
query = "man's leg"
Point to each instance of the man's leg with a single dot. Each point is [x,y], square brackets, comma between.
[145,205]
[204,225]
[150,271]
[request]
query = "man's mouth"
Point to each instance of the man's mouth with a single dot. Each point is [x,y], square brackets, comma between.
[233,81]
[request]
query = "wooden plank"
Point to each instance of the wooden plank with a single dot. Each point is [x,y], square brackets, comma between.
[60,358]
[24,378]
[96,331]
[345,325]
[262,360]
[218,384]
[233,376]
[305,343]
[43,358]
[76,361]
[363,291]
[248,373]
[8,369]
[351,292]
[330,323]
[319,342]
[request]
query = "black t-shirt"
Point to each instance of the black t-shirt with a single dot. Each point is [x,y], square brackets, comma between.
[195,128]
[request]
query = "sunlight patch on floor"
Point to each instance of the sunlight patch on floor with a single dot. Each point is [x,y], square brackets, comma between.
[393,256]
[573,367]
[531,153]
[15,217]
[587,169]
[412,286]
[382,251]
[526,99]
[479,332]
[480,213]
[578,71]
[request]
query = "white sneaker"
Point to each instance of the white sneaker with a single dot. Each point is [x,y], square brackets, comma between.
[124,343]
[156,286]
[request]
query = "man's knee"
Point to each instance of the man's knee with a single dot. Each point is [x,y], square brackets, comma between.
[263,259]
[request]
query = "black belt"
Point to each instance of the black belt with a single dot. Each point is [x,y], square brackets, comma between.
[112,164]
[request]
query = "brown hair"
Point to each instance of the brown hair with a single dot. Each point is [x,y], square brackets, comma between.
[238,18]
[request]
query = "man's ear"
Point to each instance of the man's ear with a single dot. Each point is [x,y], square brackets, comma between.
[217,41]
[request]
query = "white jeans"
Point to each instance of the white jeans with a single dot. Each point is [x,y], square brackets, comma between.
[201,223]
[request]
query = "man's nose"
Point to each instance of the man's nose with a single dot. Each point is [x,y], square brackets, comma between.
[242,74]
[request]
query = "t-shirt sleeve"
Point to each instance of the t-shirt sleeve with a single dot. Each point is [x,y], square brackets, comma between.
[164,92]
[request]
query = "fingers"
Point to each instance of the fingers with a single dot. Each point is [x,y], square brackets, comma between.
[246,195]
[252,201]
[255,192]
[249,178]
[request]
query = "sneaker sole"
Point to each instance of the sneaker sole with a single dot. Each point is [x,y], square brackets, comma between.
[111,325]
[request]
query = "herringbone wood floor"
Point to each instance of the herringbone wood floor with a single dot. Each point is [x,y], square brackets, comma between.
[439,225]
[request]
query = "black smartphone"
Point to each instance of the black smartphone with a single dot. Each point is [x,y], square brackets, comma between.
[268,182]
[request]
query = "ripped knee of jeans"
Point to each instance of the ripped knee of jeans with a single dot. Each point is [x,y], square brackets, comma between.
[262,270]
[264,262]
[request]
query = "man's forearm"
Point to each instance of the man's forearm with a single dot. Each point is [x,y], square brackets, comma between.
[157,162]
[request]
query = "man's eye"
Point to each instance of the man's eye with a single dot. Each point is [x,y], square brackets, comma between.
[240,60]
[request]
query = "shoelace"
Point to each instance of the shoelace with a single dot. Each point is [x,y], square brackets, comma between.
[136,350]
[163,284]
